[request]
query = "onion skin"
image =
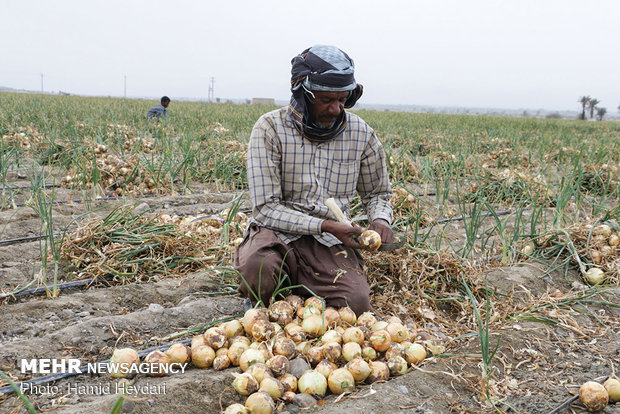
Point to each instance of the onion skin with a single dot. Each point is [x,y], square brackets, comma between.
[379,371]
[279,365]
[612,385]
[236,409]
[289,381]
[179,353]
[123,356]
[245,384]
[381,340]
[313,383]
[272,386]
[351,350]
[347,316]
[215,338]
[414,354]
[260,403]
[359,368]
[340,381]
[353,334]
[593,396]
[158,359]
[285,347]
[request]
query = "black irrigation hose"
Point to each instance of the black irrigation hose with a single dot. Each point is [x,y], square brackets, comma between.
[55,377]
[23,187]
[26,239]
[60,286]
[80,201]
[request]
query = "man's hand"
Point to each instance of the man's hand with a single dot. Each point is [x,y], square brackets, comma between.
[383,228]
[347,234]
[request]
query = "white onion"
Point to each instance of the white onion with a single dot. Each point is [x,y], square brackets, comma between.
[314,301]
[122,361]
[612,385]
[370,240]
[313,325]
[289,381]
[353,334]
[197,341]
[347,316]
[332,317]
[315,355]
[281,312]
[397,331]
[288,396]
[351,350]
[262,330]
[593,395]
[259,371]
[250,357]
[294,332]
[279,365]
[415,353]
[379,371]
[233,328]
[325,367]
[332,351]
[250,317]
[379,325]
[272,386]
[313,383]
[331,336]
[235,351]
[594,276]
[236,409]
[366,318]
[359,369]
[260,403]
[221,362]
[244,384]
[369,353]
[397,365]
[202,356]
[395,350]
[295,301]
[340,381]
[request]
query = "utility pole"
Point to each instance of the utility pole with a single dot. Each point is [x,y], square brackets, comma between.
[41,83]
[125,89]
[211,89]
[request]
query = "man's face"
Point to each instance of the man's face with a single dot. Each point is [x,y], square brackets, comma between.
[165,104]
[326,107]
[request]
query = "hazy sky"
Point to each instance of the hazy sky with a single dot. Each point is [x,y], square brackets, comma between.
[475,53]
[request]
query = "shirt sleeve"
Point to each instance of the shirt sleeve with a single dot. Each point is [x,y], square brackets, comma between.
[373,185]
[264,166]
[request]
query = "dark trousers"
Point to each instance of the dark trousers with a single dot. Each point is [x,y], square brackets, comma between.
[335,273]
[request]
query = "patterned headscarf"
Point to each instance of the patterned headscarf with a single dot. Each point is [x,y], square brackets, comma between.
[321,68]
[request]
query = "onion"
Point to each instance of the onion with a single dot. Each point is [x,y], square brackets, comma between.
[259,371]
[397,365]
[612,385]
[302,348]
[339,329]
[215,338]
[395,350]
[281,312]
[260,403]
[243,339]
[158,362]
[313,325]
[370,240]
[369,353]
[235,351]
[351,350]
[379,371]
[341,381]
[294,332]
[311,310]
[232,328]
[359,369]
[288,396]
[262,347]
[313,383]
[325,367]
[244,384]
[250,357]
[332,317]
[203,356]
[593,395]
[379,325]
[295,301]
[179,353]
[221,362]
[381,340]
[415,353]
[262,330]
[398,332]
[314,301]
[272,386]
[332,351]
[197,341]
[285,347]
[315,355]
[603,229]
[366,318]
[394,319]
[594,276]
[331,336]
[613,240]
[347,316]
[353,334]
[221,351]
[279,365]
[236,409]
[250,317]
[122,361]
[289,381]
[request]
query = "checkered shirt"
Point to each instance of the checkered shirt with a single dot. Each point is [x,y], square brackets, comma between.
[290,177]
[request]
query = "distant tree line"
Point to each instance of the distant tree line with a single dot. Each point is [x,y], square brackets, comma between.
[591,105]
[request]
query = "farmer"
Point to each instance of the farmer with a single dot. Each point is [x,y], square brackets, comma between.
[159,111]
[299,156]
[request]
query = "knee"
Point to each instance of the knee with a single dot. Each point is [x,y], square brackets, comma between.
[259,274]
[359,302]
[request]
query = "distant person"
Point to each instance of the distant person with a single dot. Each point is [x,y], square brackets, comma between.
[159,111]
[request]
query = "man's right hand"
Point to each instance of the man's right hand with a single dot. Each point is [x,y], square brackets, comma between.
[346,233]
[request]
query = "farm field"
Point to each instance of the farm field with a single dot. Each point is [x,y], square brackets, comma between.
[504,218]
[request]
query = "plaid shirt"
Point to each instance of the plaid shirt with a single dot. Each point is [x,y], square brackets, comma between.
[290,177]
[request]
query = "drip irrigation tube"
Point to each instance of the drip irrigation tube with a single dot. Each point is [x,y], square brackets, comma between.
[23,187]
[60,286]
[55,377]
[25,239]
[80,201]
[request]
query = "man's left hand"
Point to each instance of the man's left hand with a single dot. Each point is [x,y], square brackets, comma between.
[382,227]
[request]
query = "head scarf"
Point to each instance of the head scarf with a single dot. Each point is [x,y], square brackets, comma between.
[321,68]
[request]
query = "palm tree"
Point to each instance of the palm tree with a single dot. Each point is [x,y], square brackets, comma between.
[600,113]
[583,100]
[592,105]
